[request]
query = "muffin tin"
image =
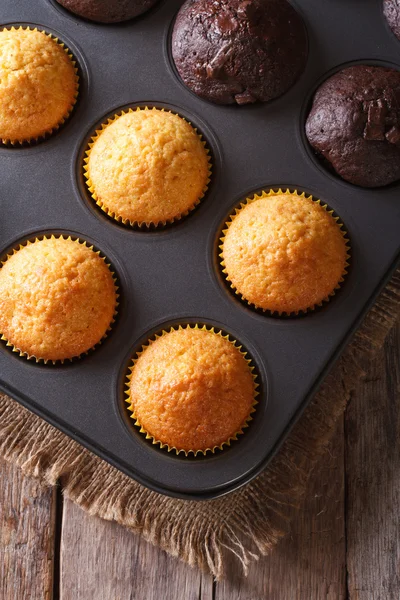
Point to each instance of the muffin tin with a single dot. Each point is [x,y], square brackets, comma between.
[172,275]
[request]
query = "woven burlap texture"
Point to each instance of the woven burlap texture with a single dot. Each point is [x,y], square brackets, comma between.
[248,522]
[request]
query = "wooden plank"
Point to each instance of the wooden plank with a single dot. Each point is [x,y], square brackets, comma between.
[310,563]
[373,480]
[27,533]
[103,561]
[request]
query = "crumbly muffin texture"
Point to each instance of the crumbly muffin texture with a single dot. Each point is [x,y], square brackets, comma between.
[354,125]
[38,84]
[284,253]
[239,51]
[148,166]
[191,389]
[107,11]
[57,299]
[391,9]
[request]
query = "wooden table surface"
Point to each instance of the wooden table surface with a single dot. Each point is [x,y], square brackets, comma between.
[344,542]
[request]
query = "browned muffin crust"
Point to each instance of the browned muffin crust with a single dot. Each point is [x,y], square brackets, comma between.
[38,84]
[192,389]
[284,253]
[57,299]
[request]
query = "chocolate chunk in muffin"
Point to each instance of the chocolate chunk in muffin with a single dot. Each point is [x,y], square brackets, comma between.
[239,51]
[391,9]
[354,124]
[107,11]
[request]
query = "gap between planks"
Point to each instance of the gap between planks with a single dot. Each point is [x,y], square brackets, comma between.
[100,560]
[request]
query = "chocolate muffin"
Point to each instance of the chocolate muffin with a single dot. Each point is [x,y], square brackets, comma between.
[106,11]
[239,51]
[391,10]
[354,125]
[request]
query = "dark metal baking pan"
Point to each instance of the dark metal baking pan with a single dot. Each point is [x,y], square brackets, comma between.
[172,275]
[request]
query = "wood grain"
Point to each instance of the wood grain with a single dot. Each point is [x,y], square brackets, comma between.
[103,561]
[27,526]
[310,563]
[350,517]
[372,431]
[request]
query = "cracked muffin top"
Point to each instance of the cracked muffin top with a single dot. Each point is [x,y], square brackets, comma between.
[354,125]
[57,299]
[38,84]
[391,9]
[191,389]
[239,51]
[148,166]
[106,11]
[284,253]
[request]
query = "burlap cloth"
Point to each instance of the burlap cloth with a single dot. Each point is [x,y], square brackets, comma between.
[248,522]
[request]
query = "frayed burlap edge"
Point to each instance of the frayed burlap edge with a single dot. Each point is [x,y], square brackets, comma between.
[248,522]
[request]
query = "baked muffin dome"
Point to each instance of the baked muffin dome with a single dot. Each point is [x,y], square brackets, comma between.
[38,84]
[354,124]
[147,167]
[239,51]
[191,389]
[107,11]
[57,299]
[391,9]
[284,253]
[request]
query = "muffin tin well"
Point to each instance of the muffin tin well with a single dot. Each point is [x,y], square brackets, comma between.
[222,276]
[319,161]
[37,236]
[81,73]
[174,70]
[172,275]
[260,385]
[208,137]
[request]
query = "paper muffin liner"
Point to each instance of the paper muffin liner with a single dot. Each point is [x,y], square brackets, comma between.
[38,359]
[295,192]
[113,215]
[193,452]
[48,133]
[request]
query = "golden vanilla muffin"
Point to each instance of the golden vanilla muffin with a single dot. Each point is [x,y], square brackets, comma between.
[147,167]
[192,390]
[38,84]
[57,299]
[284,252]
